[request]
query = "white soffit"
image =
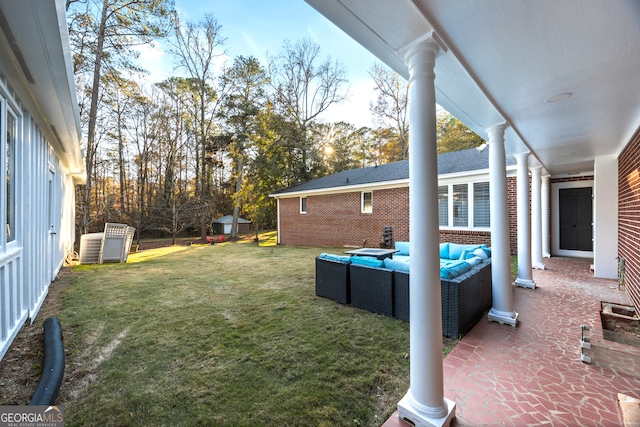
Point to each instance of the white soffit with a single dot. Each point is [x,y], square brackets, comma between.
[506,59]
[48,89]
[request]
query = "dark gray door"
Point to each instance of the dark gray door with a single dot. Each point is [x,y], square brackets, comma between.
[576,219]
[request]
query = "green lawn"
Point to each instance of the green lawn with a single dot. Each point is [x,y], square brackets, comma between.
[230,334]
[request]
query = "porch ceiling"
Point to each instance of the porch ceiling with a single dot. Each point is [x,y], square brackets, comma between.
[504,60]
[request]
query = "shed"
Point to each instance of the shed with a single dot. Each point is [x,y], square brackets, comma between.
[223,225]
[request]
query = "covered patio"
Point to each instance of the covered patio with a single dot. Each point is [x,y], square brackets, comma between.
[532,374]
[553,85]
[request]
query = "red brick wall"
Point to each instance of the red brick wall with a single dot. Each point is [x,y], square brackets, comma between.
[466,237]
[335,220]
[629,215]
[512,203]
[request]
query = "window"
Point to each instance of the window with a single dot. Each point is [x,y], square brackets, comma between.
[10,178]
[481,209]
[303,205]
[460,205]
[367,202]
[464,205]
[443,205]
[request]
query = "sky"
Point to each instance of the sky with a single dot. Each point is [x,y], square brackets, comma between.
[255,27]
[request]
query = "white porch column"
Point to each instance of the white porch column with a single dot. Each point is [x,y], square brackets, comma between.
[525,277]
[546,237]
[501,287]
[424,404]
[536,219]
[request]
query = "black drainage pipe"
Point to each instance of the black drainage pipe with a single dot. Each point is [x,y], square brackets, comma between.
[53,368]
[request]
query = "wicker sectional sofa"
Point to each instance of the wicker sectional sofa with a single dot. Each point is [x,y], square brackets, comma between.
[332,280]
[381,290]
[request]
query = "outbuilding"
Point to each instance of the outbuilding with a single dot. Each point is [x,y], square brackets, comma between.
[223,225]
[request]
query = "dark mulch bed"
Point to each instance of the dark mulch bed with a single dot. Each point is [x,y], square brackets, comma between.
[21,366]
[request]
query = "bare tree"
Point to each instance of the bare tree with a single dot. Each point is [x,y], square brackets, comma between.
[142,133]
[304,87]
[391,106]
[120,95]
[196,47]
[103,33]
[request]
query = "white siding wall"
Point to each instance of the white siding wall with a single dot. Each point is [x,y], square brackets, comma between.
[44,221]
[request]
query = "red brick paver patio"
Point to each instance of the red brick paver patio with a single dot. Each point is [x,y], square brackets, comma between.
[532,375]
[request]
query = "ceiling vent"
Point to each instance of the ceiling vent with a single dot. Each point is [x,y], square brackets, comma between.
[6,29]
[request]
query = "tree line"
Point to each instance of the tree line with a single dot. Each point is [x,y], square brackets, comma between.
[214,139]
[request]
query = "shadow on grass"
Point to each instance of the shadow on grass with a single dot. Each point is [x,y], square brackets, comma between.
[226,334]
[149,254]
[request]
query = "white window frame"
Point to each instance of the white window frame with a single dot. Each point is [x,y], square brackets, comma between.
[362,206]
[303,201]
[470,205]
[8,107]
[448,210]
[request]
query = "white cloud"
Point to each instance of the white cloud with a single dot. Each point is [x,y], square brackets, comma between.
[152,58]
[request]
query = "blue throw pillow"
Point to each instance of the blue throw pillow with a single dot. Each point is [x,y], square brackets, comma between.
[467,253]
[455,250]
[454,269]
[403,248]
[393,264]
[444,250]
[337,258]
[481,253]
[367,261]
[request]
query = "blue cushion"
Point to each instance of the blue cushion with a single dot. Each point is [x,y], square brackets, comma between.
[367,260]
[455,250]
[473,261]
[393,264]
[403,248]
[338,258]
[403,258]
[467,253]
[454,269]
[481,253]
[487,251]
[444,250]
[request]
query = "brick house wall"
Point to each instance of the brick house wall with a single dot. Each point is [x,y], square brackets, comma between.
[512,206]
[629,215]
[336,220]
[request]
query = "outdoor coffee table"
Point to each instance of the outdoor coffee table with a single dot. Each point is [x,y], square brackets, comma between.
[373,252]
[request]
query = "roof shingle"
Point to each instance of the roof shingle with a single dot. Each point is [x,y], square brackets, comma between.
[453,162]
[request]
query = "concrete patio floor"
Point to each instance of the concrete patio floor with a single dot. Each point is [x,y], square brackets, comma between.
[532,375]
